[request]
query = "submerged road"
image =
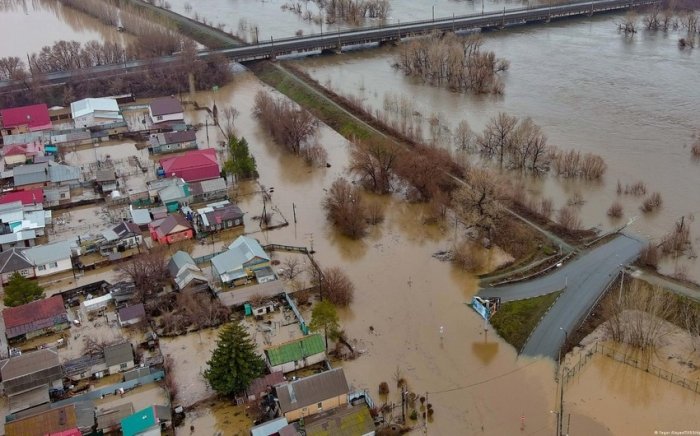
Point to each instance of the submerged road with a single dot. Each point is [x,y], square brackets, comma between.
[582,281]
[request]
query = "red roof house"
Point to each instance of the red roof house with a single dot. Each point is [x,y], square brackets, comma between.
[170,229]
[193,166]
[30,196]
[34,318]
[25,118]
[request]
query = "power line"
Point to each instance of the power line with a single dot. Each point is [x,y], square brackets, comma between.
[457,388]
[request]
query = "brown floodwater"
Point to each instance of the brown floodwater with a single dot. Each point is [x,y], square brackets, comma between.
[33,24]
[590,88]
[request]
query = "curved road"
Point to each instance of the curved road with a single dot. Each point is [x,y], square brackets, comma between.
[583,281]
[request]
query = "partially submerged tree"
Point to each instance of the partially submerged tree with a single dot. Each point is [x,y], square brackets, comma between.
[373,162]
[478,203]
[241,164]
[324,318]
[345,209]
[337,287]
[234,363]
[148,271]
[290,125]
[20,290]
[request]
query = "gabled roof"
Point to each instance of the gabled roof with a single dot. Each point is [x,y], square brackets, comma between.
[179,260]
[119,353]
[191,160]
[178,137]
[165,106]
[14,150]
[184,270]
[144,419]
[43,254]
[261,384]
[29,196]
[140,216]
[44,423]
[122,230]
[242,250]
[206,186]
[311,390]
[295,350]
[87,106]
[62,173]
[112,417]
[222,214]
[29,363]
[30,174]
[170,223]
[270,427]
[17,116]
[345,421]
[38,312]
[13,260]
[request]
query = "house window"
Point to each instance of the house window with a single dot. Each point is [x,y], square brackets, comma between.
[41,267]
[24,273]
[159,118]
[123,365]
[320,406]
[53,265]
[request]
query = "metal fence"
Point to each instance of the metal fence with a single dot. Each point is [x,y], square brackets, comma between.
[632,360]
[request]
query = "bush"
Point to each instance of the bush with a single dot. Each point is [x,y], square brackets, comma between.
[337,287]
[383,388]
[615,210]
[695,149]
[569,219]
[651,203]
[649,256]
[414,415]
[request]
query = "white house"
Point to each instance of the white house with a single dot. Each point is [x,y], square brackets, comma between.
[52,258]
[90,112]
[164,109]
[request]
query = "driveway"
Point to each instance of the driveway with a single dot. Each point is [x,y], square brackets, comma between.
[582,280]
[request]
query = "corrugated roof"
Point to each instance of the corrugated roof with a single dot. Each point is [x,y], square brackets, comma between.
[261,384]
[34,316]
[54,420]
[226,213]
[165,106]
[179,137]
[112,417]
[193,166]
[29,196]
[36,116]
[169,223]
[179,259]
[62,173]
[140,216]
[31,398]
[139,421]
[43,254]
[132,312]
[311,390]
[118,354]
[29,363]
[30,174]
[296,350]
[206,186]
[270,427]
[87,106]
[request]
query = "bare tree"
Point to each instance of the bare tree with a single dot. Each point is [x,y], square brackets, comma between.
[464,136]
[499,137]
[373,162]
[345,209]
[568,218]
[230,114]
[291,126]
[148,271]
[337,287]
[478,203]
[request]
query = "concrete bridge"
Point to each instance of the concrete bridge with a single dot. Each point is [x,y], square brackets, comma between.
[368,35]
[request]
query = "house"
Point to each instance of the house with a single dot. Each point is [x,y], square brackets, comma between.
[45,173]
[193,166]
[170,229]
[25,119]
[278,426]
[56,195]
[131,315]
[52,258]
[185,272]
[170,142]
[214,218]
[106,179]
[243,257]
[119,357]
[122,292]
[208,190]
[164,109]
[45,422]
[123,236]
[240,296]
[173,193]
[91,112]
[18,154]
[263,385]
[13,261]
[35,318]
[140,217]
[31,370]
[343,421]
[21,224]
[146,422]
[26,197]
[109,420]
[87,366]
[296,354]
[313,394]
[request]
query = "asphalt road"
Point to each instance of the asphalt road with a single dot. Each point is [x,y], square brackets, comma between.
[583,280]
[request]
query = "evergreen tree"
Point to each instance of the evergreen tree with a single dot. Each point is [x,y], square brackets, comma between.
[324,318]
[20,290]
[234,363]
[240,162]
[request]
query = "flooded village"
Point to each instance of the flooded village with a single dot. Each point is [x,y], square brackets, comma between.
[346,241]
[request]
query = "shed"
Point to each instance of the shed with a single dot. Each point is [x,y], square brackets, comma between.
[296,354]
[146,421]
[343,421]
[131,315]
[268,428]
[165,109]
[35,318]
[109,420]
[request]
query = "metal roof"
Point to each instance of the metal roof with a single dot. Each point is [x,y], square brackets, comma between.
[296,350]
[119,353]
[112,417]
[62,173]
[132,312]
[13,260]
[43,254]
[165,106]
[241,251]
[28,363]
[346,421]
[47,422]
[30,174]
[87,106]
[206,186]
[34,316]
[311,390]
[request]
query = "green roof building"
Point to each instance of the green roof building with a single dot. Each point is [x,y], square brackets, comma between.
[296,354]
[146,422]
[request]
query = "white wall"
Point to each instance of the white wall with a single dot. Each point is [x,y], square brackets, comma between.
[48,269]
[172,117]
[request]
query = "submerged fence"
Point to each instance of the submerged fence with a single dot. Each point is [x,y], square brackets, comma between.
[633,360]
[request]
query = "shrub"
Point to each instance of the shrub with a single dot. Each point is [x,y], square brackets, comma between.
[695,149]
[615,210]
[383,388]
[651,203]
[337,287]
[569,219]
[649,256]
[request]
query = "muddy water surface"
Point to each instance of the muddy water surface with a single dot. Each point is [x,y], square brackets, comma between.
[589,88]
[28,25]
[472,380]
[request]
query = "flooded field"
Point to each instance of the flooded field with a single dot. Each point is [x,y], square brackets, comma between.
[631,106]
[242,17]
[33,24]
